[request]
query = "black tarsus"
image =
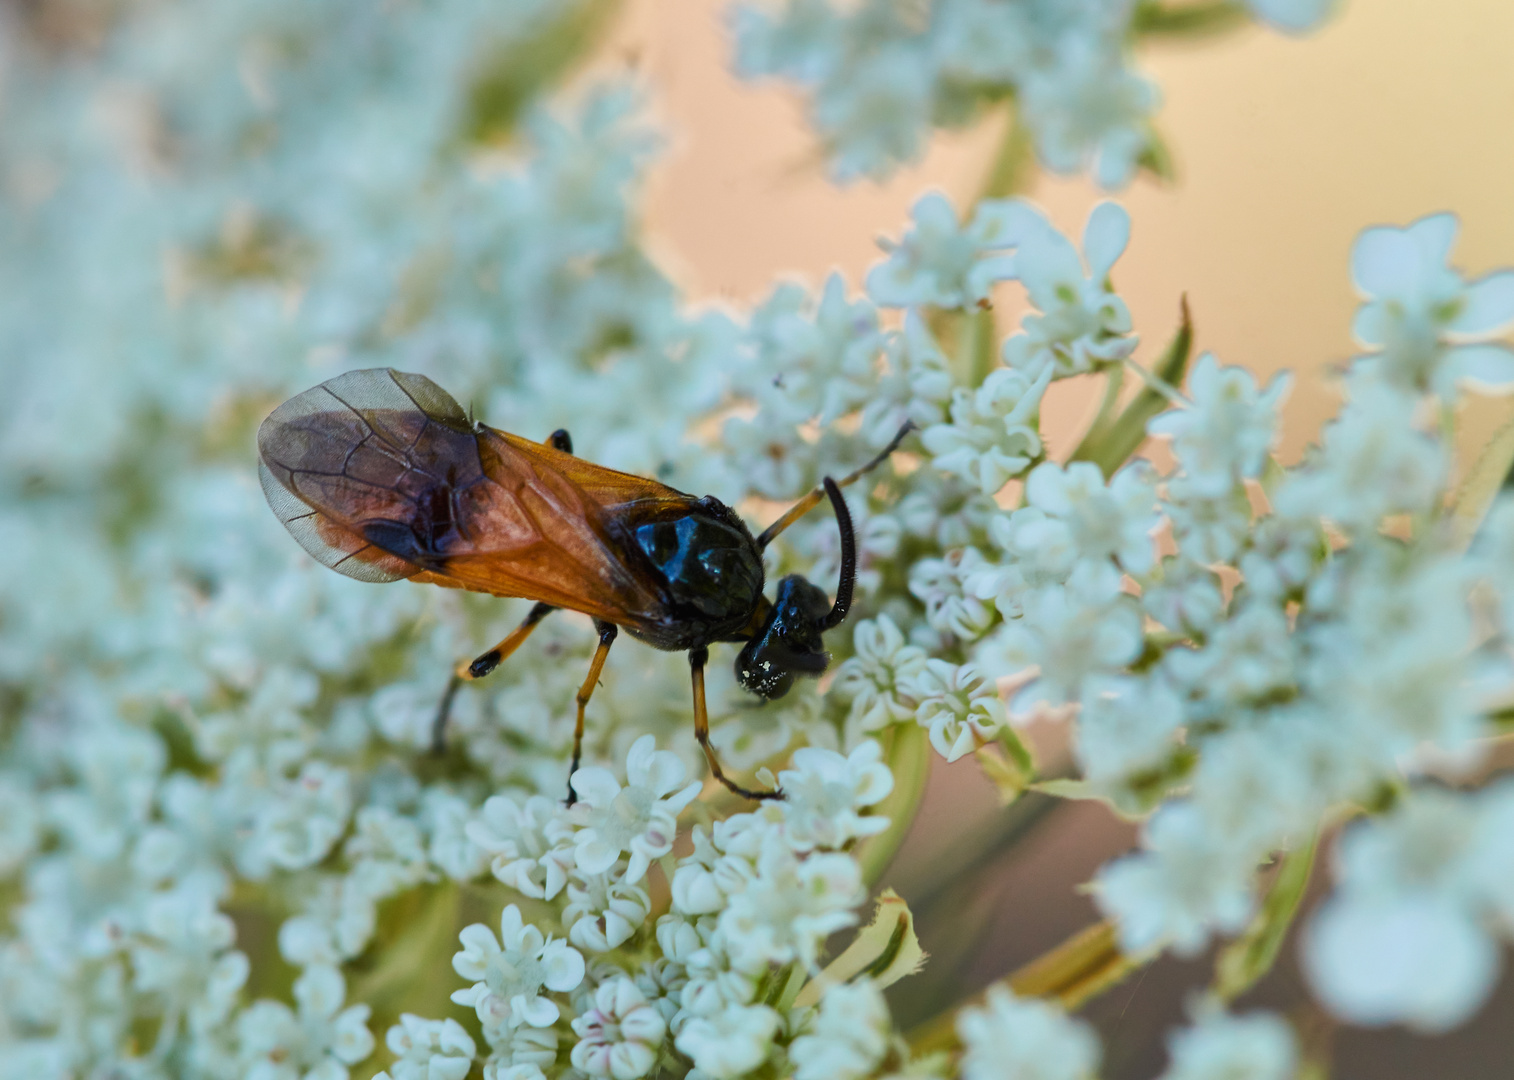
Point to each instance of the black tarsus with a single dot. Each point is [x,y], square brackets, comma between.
[444,710]
[484,664]
[848,558]
[480,667]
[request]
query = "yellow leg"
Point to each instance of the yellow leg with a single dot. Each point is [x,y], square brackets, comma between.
[607,632]
[697,658]
[479,667]
[812,500]
[486,662]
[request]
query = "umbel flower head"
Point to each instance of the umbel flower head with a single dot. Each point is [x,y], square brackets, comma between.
[511,971]
[215,205]
[640,818]
[621,1034]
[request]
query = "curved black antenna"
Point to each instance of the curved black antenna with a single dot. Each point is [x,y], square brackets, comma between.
[848,557]
[812,500]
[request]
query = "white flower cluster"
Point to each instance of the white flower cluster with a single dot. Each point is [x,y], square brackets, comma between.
[882,74]
[1426,892]
[226,203]
[1344,651]
[1250,647]
[751,907]
[224,848]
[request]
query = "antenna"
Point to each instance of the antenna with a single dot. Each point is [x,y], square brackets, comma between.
[848,557]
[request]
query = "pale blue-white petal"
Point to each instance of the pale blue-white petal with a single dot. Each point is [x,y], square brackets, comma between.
[639,759]
[596,786]
[562,967]
[1433,237]
[1294,16]
[593,854]
[1384,262]
[1105,238]
[1418,959]
[1046,261]
[1370,324]
[1488,307]
[535,1011]
[981,278]
[1118,156]
[1489,366]
[1005,222]
[933,213]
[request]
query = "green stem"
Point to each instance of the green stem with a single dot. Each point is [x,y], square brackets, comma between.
[1204,19]
[1249,957]
[1114,380]
[1124,437]
[909,756]
[977,345]
[1014,164]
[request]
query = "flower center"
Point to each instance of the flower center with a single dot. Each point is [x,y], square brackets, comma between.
[512,973]
[626,818]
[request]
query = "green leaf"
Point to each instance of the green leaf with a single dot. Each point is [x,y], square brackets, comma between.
[1114,379]
[1249,957]
[1017,751]
[1127,433]
[1137,795]
[1083,791]
[1208,17]
[885,951]
[1491,472]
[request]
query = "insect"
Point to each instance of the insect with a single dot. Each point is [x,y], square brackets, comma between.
[380,475]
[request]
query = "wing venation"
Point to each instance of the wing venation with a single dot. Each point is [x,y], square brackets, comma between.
[379,475]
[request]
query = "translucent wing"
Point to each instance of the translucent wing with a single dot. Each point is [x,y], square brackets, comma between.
[379,475]
[342,456]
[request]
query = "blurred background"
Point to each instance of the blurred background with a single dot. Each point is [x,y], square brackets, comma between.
[1285,149]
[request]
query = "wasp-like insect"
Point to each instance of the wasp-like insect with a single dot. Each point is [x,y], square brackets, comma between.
[380,475]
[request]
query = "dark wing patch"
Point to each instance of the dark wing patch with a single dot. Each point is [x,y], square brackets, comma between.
[356,465]
[379,475]
[329,543]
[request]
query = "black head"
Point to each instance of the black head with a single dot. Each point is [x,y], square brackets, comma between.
[789,641]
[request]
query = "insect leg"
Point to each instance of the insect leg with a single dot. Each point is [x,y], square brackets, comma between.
[697,659]
[561,440]
[481,666]
[812,500]
[607,632]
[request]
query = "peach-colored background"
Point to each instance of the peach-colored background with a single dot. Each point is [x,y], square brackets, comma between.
[1285,149]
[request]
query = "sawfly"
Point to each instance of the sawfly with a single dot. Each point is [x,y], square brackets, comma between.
[380,475]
